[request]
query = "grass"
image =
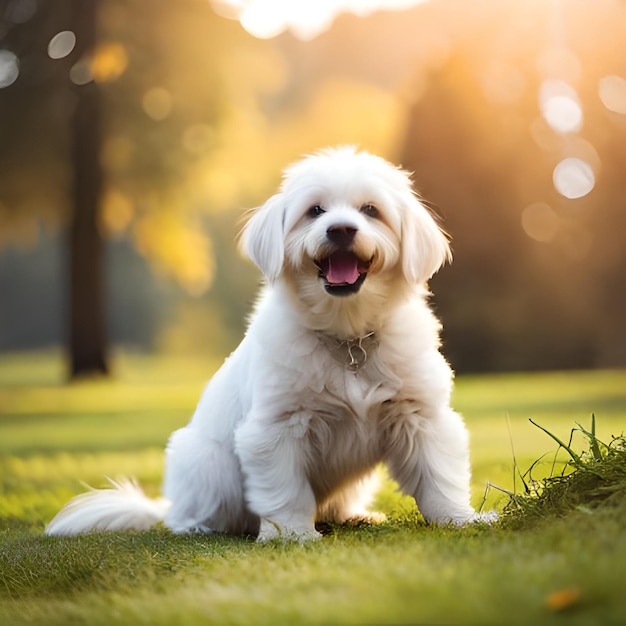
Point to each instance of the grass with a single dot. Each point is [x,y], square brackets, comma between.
[556,564]
[585,480]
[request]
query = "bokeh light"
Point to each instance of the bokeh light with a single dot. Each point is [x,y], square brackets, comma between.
[109,62]
[521,104]
[157,103]
[19,12]
[573,178]
[612,92]
[9,68]
[62,44]
[540,222]
[560,106]
[80,74]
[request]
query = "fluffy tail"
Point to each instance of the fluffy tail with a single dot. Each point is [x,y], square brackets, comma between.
[124,507]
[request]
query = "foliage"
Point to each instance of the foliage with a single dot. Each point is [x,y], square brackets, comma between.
[585,481]
[519,298]
[201,118]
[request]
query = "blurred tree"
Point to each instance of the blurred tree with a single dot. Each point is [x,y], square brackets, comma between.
[111,105]
[199,118]
[87,341]
[195,117]
[517,297]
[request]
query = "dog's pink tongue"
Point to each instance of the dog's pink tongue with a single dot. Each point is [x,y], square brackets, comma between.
[342,269]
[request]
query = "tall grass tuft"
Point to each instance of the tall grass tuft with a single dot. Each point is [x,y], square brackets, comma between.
[583,481]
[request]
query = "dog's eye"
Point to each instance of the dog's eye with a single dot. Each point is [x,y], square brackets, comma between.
[315,211]
[370,210]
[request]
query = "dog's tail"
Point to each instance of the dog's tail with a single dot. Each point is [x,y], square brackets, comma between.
[124,507]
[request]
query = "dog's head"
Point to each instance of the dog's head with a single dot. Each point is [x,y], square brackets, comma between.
[342,221]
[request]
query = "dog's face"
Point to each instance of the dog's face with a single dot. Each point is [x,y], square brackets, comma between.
[342,222]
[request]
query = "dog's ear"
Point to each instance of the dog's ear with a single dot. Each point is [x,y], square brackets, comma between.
[425,246]
[262,237]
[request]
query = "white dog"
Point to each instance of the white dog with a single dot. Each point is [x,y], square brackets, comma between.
[339,371]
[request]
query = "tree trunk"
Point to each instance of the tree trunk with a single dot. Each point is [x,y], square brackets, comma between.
[87,341]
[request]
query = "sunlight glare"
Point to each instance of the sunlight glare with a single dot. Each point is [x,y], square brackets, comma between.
[612,91]
[573,178]
[560,106]
[266,19]
[305,18]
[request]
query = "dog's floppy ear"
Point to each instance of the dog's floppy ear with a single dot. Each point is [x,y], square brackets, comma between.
[262,237]
[425,246]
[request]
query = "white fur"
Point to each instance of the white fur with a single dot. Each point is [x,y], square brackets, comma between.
[285,434]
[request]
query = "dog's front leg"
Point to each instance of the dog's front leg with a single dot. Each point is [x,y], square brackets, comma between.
[428,455]
[273,459]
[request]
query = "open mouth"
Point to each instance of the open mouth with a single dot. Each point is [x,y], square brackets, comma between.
[343,272]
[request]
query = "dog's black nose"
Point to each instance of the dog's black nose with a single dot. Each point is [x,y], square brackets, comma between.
[341,235]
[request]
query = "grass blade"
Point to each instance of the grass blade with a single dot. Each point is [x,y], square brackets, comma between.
[594,442]
[575,457]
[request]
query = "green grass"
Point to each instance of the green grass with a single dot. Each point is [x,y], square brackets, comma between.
[584,480]
[564,565]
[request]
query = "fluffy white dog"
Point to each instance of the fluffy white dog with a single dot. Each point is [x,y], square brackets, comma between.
[339,371]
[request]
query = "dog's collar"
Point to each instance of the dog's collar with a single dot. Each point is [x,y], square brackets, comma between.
[351,353]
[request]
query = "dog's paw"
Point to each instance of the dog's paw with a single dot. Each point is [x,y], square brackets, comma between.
[472,517]
[272,531]
[488,517]
[199,529]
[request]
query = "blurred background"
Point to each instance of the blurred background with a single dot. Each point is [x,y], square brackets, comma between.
[134,133]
